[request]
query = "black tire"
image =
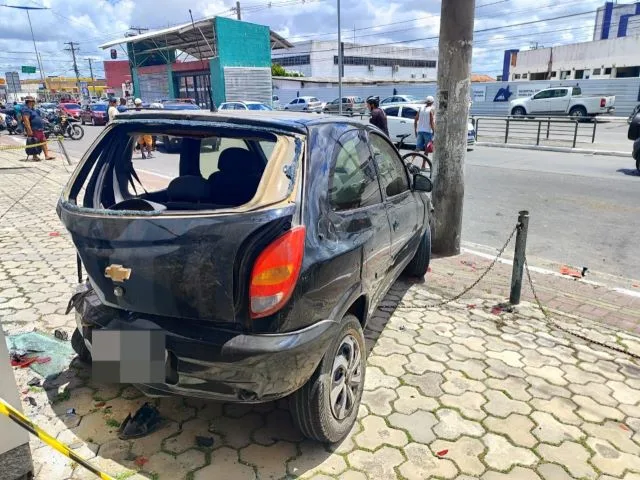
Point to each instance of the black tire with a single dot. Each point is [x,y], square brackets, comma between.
[578,113]
[77,342]
[93,121]
[311,406]
[419,264]
[76,132]
[82,120]
[518,112]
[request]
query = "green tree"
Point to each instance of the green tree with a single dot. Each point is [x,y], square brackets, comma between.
[278,70]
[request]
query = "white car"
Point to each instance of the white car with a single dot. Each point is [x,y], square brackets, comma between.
[275,102]
[399,99]
[400,118]
[304,104]
[244,106]
[563,101]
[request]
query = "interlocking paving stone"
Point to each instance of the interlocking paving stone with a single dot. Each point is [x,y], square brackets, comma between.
[516,427]
[549,430]
[464,452]
[570,454]
[379,464]
[418,424]
[451,425]
[422,464]
[501,455]
[376,433]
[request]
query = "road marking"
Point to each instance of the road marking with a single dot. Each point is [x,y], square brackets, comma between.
[546,271]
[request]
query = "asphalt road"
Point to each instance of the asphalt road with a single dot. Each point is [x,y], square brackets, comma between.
[585,210]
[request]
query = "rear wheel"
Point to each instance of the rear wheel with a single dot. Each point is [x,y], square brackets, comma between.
[578,113]
[76,132]
[419,264]
[78,345]
[326,407]
[93,121]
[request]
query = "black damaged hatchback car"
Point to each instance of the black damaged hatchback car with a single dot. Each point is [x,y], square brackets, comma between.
[255,255]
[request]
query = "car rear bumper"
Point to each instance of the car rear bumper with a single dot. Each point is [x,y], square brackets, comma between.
[221,364]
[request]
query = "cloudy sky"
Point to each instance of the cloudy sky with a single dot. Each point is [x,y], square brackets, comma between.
[500,24]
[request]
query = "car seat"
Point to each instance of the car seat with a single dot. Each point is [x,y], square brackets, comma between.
[187,192]
[236,181]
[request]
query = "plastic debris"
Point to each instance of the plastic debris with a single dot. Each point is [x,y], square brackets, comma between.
[204,441]
[145,421]
[34,382]
[58,353]
[71,411]
[624,427]
[442,453]
[471,305]
[61,335]
[571,272]
[502,308]
[54,234]
[140,461]
[32,401]
[100,404]
[402,327]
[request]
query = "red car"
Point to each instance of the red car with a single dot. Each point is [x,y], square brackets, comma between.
[70,109]
[95,114]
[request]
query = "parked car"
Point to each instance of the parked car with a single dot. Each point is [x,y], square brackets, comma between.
[304,104]
[563,101]
[400,99]
[400,118]
[244,106]
[350,105]
[94,114]
[257,266]
[47,108]
[70,109]
[171,143]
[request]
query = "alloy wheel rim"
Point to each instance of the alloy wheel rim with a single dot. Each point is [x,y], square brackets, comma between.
[346,377]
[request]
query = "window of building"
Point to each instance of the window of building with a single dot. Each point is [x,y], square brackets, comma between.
[607,71]
[564,74]
[293,60]
[596,71]
[579,75]
[516,76]
[524,75]
[353,181]
[386,62]
[391,169]
[553,74]
[538,76]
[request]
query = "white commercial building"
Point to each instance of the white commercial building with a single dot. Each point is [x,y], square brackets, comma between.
[319,59]
[613,53]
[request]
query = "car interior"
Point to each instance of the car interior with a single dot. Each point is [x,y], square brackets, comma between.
[211,170]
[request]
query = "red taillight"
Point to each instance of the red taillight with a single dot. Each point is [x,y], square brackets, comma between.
[603,102]
[275,273]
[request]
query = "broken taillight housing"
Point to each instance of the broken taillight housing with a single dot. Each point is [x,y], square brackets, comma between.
[603,102]
[275,273]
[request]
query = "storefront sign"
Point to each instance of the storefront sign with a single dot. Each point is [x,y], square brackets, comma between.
[529,89]
[479,93]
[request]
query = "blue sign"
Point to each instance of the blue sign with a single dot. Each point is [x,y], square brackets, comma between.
[503,94]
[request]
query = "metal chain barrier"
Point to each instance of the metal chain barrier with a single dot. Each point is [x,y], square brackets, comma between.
[470,287]
[553,324]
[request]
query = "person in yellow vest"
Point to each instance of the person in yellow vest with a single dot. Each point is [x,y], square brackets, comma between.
[145,142]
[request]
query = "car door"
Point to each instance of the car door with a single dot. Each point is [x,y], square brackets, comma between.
[405,212]
[407,122]
[393,122]
[85,114]
[559,101]
[292,105]
[357,213]
[539,103]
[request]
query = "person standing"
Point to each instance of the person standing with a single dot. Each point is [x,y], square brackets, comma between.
[378,117]
[112,111]
[145,142]
[17,113]
[123,105]
[424,127]
[34,126]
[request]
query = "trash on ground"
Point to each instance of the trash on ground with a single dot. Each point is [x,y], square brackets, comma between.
[204,441]
[502,308]
[467,263]
[442,453]
[24,348]
[54,234]
[100,404]
[71,411]
[32,401]
[570,271]
[34,382]
[140,461]
[61,335]
[584,271]
[471,306]
[624,427]
[145,421]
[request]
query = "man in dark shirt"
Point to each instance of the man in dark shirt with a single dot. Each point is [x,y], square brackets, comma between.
[378,117]
[34,126]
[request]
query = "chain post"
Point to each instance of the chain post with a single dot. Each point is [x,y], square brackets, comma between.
[506,132]
[593,135]
[575,135]
[519,257]
[538,137]
[548,126]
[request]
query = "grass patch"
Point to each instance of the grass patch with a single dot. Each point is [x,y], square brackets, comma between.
[112,422]
[124,475]
[62,397]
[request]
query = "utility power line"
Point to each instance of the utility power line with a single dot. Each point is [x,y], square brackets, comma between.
[73,49]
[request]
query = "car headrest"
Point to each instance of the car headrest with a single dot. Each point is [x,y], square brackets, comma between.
[239,160]
[188,188]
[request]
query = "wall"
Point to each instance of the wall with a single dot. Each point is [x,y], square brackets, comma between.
[618,52]
[117,72]
[618,18]
[240,44]
[626,90]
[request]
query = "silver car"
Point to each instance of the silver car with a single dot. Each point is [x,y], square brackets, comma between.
[400,99]
[304,104]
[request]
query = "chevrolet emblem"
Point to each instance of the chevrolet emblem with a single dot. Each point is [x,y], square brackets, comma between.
[117,273]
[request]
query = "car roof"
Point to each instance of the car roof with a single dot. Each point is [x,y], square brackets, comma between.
[284,120]
[403,104]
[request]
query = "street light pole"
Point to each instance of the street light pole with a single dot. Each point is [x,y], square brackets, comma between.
[454,71]
[340,60]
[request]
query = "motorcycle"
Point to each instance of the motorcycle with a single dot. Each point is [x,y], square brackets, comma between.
[62,125]
[9,123]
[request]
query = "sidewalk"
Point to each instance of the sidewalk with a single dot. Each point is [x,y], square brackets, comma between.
[454,392]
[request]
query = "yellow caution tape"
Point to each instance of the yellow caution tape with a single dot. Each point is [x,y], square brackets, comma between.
[22,147]
[25,423]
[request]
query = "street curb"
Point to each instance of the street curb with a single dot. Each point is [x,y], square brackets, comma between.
[555,149]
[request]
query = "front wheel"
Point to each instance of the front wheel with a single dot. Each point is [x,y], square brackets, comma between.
[78,345]
[76,132]
[518,112]
[419,264]
[326,407]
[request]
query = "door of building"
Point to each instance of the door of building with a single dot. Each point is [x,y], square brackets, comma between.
[195,85]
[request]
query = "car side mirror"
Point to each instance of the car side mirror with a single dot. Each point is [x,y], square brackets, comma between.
[422,183]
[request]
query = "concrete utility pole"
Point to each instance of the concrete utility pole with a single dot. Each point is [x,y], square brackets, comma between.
[454,68]
[73,48]
[238,13]
[93,80]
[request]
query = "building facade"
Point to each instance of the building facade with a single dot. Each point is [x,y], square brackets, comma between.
[617,20]
[319,59]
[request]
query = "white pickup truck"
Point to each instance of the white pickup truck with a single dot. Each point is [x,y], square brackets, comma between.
[562,101]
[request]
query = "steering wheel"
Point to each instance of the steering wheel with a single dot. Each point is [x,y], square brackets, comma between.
[412,168]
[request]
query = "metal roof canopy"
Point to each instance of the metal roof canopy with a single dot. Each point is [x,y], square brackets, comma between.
[189,38]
